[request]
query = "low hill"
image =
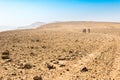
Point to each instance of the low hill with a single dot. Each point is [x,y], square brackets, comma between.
[32,26]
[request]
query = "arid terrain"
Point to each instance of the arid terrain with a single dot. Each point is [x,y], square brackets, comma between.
[62,51]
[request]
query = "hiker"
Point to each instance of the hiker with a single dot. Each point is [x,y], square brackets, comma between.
[84,30]
[88,30]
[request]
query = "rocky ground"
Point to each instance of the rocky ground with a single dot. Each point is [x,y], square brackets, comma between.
[61,51]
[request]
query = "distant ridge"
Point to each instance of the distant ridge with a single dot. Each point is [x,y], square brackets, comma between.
[5,28]
[32,26]
[82,24]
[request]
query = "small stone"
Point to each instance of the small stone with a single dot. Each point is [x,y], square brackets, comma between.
[1,78]
[49,66]
[32,47]
[62,65]
[61,58]
[5,57]
[27,66]
[32,54]
[67,70]
[6,53]
[37,40]
[44,47]
[71,51]
[5,68]
[13,74]
[55,62]
[84,69]
[37,78]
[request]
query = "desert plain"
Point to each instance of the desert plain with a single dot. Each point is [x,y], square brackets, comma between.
[62,51]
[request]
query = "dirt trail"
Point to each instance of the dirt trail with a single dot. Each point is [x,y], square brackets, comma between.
[116,65]
[79,64]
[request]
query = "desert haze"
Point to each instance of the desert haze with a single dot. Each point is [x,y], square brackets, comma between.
[62,51]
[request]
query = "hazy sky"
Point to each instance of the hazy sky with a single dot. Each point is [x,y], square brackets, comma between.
[24,12]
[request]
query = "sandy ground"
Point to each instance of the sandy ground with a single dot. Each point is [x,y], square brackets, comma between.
[61,51]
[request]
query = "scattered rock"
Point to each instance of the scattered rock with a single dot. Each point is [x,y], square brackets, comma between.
[1,78]
[76,40]
[49,66]
[6,53]
[52,60]
[27,66]
[5,57]
[55,62]
[44,47]
[9,60]
[37,78]
[71,51]
[60,73]
[13,46]
[62,65]
[9,79]
[32,54]
[63,50]
[37,40]
[5,68]
[67,70]
[21,72]
[61,58]
[84,69]
[13,74]
[92,76]
[32,47]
